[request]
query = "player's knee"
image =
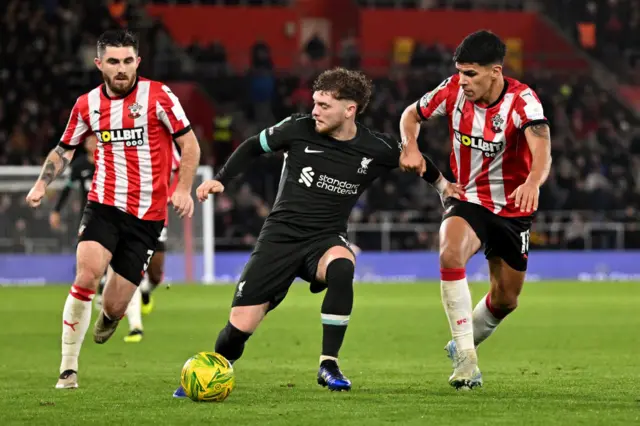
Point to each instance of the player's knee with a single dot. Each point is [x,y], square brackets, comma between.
[247,318]
[87,278]
[451,257]
[331,255]
[340,272]
[504,301]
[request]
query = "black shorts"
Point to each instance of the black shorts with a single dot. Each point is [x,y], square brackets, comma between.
[273,267]
[503,237]
[131,241]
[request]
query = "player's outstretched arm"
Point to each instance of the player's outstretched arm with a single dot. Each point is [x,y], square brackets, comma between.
[411,160]
[181,197]
[57,160]
[237,162]
[246,152]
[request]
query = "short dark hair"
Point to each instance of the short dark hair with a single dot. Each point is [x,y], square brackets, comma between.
[345,84]
[117,38]
[482,47]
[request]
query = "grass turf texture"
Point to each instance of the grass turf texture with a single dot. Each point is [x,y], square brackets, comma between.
[569,355]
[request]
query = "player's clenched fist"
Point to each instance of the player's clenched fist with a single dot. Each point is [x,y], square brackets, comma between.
[208,187]
[411,160]
[35,195]
[182,203]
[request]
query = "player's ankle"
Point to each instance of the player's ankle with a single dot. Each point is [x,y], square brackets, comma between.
[328,358]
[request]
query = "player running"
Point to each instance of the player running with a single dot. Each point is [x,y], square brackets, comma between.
[330,160]
[142,302]
[501,156]
[135,121]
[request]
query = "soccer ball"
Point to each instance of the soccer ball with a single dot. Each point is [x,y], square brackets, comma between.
[207,376]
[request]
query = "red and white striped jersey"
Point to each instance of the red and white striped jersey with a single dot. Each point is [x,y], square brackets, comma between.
[135,135]
[490,156]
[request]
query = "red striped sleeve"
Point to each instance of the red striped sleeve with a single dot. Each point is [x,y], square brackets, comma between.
[77,128]
[437,103]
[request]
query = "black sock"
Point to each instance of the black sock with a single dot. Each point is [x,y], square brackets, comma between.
[230,343]
[146,297]
[337,305]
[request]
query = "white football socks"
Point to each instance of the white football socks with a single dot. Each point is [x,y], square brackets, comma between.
[456,299]
[76,317]
[133,313]
[484,320]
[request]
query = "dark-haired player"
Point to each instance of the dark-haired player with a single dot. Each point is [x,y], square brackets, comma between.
[134,121]
[330,159]
[501,155]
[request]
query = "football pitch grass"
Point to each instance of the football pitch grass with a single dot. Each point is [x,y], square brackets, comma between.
[568,356]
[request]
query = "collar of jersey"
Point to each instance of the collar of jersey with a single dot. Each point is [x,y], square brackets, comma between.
[504,92]
[349,141]
[106,95]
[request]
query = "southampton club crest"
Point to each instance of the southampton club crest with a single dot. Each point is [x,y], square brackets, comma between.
[496,123]
[135,110]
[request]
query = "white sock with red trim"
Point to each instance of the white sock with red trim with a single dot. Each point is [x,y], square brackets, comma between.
[456,299]
[76,317]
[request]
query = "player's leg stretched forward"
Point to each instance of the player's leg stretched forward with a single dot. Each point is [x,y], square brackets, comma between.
[243,321]
[92,260]
[458,242]
[335,269]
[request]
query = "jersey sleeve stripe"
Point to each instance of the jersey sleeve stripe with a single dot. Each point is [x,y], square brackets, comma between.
[420,114]
[66,146]
[182,132]
[534,122]
[263,141]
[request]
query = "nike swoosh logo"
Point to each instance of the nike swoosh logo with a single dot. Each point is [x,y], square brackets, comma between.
[311,151]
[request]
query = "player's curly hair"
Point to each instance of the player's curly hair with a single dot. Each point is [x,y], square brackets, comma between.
[345,84]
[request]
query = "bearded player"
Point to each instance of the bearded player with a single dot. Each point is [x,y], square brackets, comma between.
[135,121]
[501,155]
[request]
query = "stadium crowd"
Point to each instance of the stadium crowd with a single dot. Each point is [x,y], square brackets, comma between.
[48,61]
[610,30]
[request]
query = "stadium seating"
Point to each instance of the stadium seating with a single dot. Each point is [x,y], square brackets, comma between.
[596,143]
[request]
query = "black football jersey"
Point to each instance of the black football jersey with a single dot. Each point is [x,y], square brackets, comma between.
[322,178]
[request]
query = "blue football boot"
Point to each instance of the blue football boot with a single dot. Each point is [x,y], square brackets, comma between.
[466,373]
[179,393]
[329,375]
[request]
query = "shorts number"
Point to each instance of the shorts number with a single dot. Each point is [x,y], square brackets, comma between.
[146,264]
[524,237]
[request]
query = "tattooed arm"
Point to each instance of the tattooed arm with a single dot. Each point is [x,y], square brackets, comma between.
[57,160]
[539,141]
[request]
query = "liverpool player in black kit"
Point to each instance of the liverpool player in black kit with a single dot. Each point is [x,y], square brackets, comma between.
[330,160]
